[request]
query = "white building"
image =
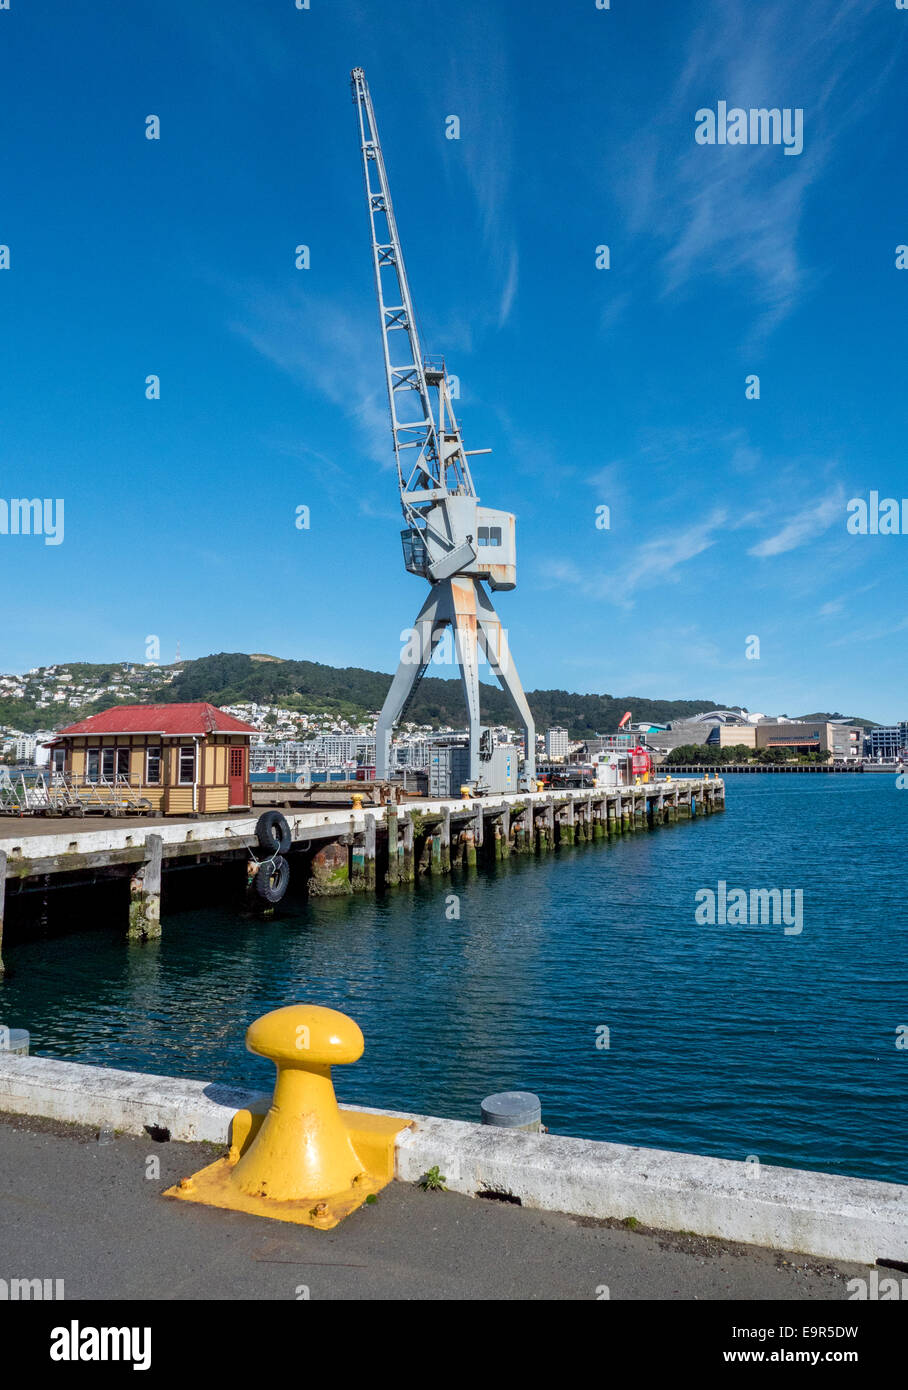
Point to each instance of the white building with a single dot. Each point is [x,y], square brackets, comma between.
[557,743]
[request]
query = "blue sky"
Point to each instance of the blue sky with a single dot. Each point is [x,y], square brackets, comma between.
[623,387]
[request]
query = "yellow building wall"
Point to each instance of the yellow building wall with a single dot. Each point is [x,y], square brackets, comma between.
[168,796]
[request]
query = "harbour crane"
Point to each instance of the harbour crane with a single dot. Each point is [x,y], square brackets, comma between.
[448,538]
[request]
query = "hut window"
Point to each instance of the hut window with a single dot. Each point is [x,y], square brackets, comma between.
[153,766]
[123,762]
[91,765]
[107,762]
[187,765]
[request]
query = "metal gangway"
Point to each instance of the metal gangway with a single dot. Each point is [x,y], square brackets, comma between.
[111,796]
[59,794]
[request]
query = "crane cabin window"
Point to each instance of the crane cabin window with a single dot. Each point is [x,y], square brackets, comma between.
[490,535]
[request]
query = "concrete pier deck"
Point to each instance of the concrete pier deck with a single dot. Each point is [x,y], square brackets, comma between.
[86,1212]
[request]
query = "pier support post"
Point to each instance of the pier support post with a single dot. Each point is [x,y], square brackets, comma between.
[624,809]
[392,877]
[566,828]
[358,864]
[478,828]
[446,840]
[145,893]
[549,822]
[469,849]
[369,844]
[503,834]
[409,869]
[329,872]
[2,900]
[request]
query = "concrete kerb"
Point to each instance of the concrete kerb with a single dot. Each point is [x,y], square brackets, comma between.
[782,1208]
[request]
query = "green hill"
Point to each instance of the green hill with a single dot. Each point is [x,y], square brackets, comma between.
[348,692]
[233,677]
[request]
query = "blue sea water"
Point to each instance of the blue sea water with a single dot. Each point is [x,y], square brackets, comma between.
[725,1040]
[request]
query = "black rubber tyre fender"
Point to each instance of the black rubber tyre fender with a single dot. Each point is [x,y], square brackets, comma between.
[273,833]
[272,879]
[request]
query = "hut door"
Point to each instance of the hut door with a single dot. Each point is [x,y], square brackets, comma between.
[237,776]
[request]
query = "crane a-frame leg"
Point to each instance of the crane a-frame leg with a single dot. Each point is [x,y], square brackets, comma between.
[462,604]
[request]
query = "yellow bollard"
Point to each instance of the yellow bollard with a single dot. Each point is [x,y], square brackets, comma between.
[465,792]
[668,777]
[304,1161]
[357,801]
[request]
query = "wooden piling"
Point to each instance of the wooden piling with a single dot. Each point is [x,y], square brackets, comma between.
[329,871]
[504,840]
[392,877]
[145,894]
[409,869]
[358,864]
[2,900]
[369,846]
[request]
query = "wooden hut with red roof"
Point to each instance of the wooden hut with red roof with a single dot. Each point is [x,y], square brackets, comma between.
[182,758]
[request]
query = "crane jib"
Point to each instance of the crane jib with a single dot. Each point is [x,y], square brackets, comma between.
[448,539]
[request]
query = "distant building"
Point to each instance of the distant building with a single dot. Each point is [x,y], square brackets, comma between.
[557,743]
[24,748]
[839,741]
[181,758]
[889,742]
[734,735]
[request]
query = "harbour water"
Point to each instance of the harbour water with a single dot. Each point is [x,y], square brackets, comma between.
[732,1040]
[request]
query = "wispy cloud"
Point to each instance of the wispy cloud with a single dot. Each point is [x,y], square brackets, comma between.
[656,561]
[730,211]
[329,350]
[805,525]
